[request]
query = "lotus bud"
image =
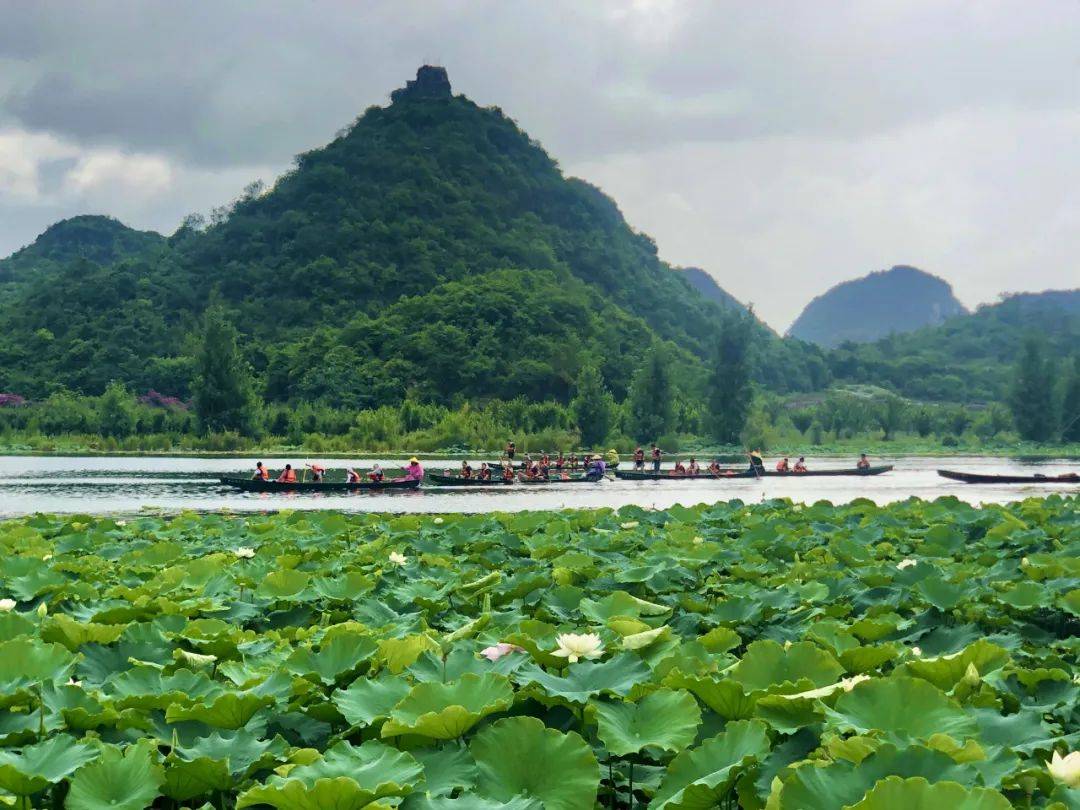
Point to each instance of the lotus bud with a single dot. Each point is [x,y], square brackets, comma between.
[698,541]
[787,645]
[42,610]
[916,651]
[971,676]
[1024,562]
[630,524]
[439,521]
[906,564]
[1065,770]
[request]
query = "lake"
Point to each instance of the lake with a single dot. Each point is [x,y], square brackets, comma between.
[98,484]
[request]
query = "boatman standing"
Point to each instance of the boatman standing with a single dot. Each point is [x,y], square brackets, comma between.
[757,464]
[639,460]
[657,454]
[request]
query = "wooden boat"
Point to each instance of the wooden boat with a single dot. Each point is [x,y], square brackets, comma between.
[519,465]
[990,478]
[258,485]
[458,481]
[576,479]
[726,475]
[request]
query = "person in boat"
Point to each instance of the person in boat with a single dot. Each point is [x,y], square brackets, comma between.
[414,472]
[288,475]
[376,474]
[597,468]
[485,472]
[656,454]
[757,464]
[782,466]
[639,460]
[261,473]
[611,457]
[800,465]
[693,468]
[352,476]
[317,473]
[863,463]
[511,451]
[466,470]
[714,467]
[560,462]
[545,460]
[542,469]
[573,461]
[507,472]
[532,472]
[679,470]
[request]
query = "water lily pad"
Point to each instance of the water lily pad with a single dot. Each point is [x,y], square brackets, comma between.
[520,757]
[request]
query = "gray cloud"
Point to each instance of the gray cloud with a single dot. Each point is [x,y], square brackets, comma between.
[782,146]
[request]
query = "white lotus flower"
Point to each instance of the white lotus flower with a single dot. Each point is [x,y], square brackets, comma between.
[46,558]
[244,553]
[574,646]
[7,604]
[908,563]
[1024,562]
[1065,769]
[497,651]
[121,523]
[630,524]
[397,558]
[439,521]
[916,651]
[73,682]
[698,541]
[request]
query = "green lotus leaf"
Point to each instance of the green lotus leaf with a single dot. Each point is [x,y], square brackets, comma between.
[864,659]
[186,779]
[462,660]
[701,777]
[148,688]
[619,603]
[903,709]
[346,587]
[25,662]
[723,695]
[338,793]
[446,711]
[26,578]
[643,639]
[842,783]
[282,584]
[14,625]
[1025,731]
[117,780]
[663,719]
[231,710]
[398,654]
[37,766]
[788,715]
[942,540]
[340,656]
[767,663]
[369,700]
[447,770]
[917,794]
[585,679]
[470,801]
[947,670]
[240,750]
[941,594]
[1071,601]
[1026,595]
[73,634]
[518,757]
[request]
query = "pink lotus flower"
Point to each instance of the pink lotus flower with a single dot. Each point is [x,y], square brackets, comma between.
[497,651]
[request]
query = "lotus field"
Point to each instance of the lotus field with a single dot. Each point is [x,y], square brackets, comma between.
[921,655]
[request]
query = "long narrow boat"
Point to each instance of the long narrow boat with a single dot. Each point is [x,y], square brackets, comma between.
[577,479]
[665,475]
[458,481]
[990,478]
[257,485]
[517,465]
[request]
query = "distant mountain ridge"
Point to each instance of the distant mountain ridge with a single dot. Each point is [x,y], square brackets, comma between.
[901,299]
[705,284]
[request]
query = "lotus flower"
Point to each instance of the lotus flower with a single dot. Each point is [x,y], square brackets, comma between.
[497,651]
[908,563]
[916,651]
[244,553]
[73,682]
[397,558]
[630,524]
[438,521]
[1065,769]
[7,604]
[1024,562]
[574,646]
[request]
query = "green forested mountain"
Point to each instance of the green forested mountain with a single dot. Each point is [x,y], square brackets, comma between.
[969,357]
[877,305]
[432,248]
[707,286]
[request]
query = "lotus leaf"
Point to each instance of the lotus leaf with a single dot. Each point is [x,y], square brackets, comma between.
[446,711]
[665,719]
[918,794]
[369,700]
[518,757]
[767,663]
[447,770]
[231,710]
[903,709]
[118,780]
[586,679]
[37,766]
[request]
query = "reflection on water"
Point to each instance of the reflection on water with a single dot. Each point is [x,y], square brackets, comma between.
[96,484]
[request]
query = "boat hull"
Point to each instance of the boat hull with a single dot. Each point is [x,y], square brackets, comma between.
[256,485]
[666,475]
[980,478]
[458,481]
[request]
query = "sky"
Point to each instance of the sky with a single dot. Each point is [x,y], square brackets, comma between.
[781,146]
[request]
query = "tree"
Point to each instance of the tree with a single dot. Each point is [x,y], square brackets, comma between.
[1032,395]
[593,407]
[650,412]
[991,422]
[224,395]
[730,391]
[116,411]
[922,421]
[1070,410]
[889,415]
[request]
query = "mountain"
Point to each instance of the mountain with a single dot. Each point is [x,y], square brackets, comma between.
[883,303]
[432,248]
[969,357]
[707,286]
[99,239]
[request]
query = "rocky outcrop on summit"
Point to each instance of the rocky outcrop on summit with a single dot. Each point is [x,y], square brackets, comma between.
[431,82]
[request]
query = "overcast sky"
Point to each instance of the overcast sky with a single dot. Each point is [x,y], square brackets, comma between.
[782,146]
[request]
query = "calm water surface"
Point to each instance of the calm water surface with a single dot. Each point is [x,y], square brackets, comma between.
[97,485]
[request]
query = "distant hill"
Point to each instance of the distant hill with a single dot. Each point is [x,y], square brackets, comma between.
[894,301]
[99,239]
[433,248]
[969,357]
[707,286]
